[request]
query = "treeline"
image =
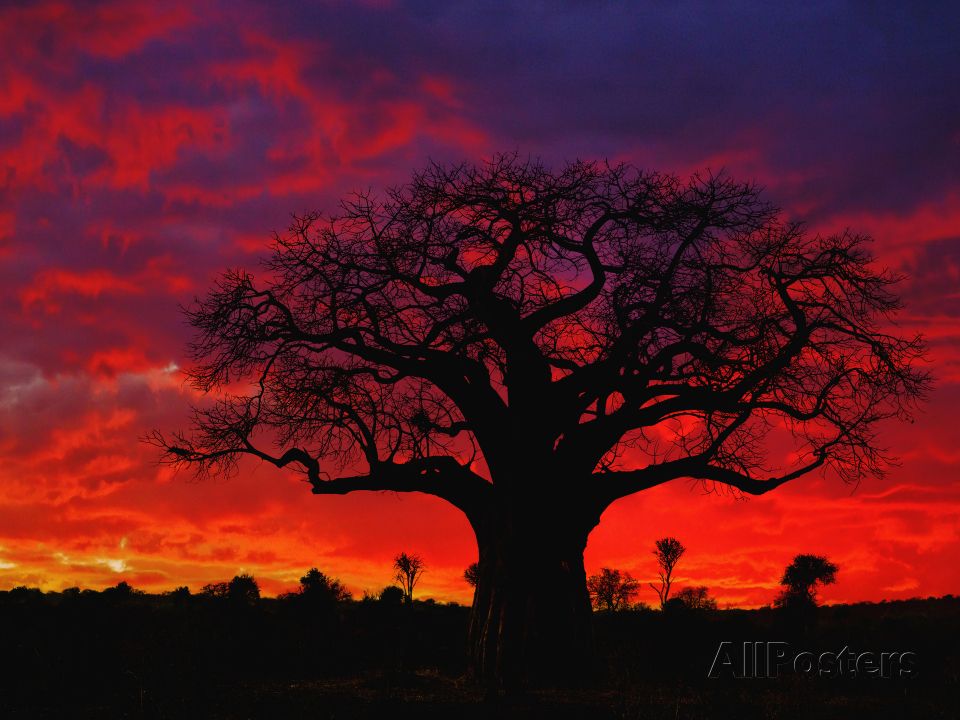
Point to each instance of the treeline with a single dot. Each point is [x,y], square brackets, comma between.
[115,645]
[614,589]
[178,653]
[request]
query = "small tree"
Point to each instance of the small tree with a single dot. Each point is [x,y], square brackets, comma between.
[612,589]
[409,569]
[243,589]
[695,598]
[472,574]
[180,593]
[667,552]
[316,586]
[122,589]
[802,578]
[215,590]
[392,595]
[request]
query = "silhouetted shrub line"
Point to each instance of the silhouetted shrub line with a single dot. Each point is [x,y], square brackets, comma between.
[180,651]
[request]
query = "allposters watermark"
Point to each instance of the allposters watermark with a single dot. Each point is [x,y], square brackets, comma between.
[771,659]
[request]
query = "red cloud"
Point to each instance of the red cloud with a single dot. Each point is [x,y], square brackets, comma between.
[52,284]
[442,88]
[50,287]
[342,131]
[16,90]
[146,141]
[107,29]
[136,142]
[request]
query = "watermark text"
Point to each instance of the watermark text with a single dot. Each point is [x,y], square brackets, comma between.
[770,659]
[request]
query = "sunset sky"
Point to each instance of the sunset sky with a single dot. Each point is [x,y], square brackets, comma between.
[145,147]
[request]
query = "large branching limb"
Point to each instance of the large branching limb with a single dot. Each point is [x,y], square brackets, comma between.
[443,476]
[181,451]
[570,304]
[804,322]
[836,432]
[610,486]
[243,330]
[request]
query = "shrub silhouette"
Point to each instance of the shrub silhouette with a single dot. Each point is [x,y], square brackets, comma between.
[392,595]
[122,590]
[216,589]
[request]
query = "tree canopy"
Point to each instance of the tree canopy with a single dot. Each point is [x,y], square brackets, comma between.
[802,578]
[694,598]
[316,586]
[612,589]
[409,569]
[667,551]
[626,326]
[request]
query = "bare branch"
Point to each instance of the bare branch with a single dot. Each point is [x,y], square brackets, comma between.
[558,328]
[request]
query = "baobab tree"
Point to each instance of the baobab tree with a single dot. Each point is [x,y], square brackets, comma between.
[668,552]
[531,345]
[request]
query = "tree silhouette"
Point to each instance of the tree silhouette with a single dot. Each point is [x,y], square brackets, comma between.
[409,569]
[216,590]
[802,578]
[695,598]
[667,551]
[243,589]
[122,590]
[317,587]
[180,593]
[532,345]
[472,574]
[392,595]
[612,589]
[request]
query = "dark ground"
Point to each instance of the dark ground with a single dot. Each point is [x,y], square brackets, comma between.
[104,655]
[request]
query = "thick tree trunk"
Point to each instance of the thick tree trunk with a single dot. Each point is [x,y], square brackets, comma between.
[531,617]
